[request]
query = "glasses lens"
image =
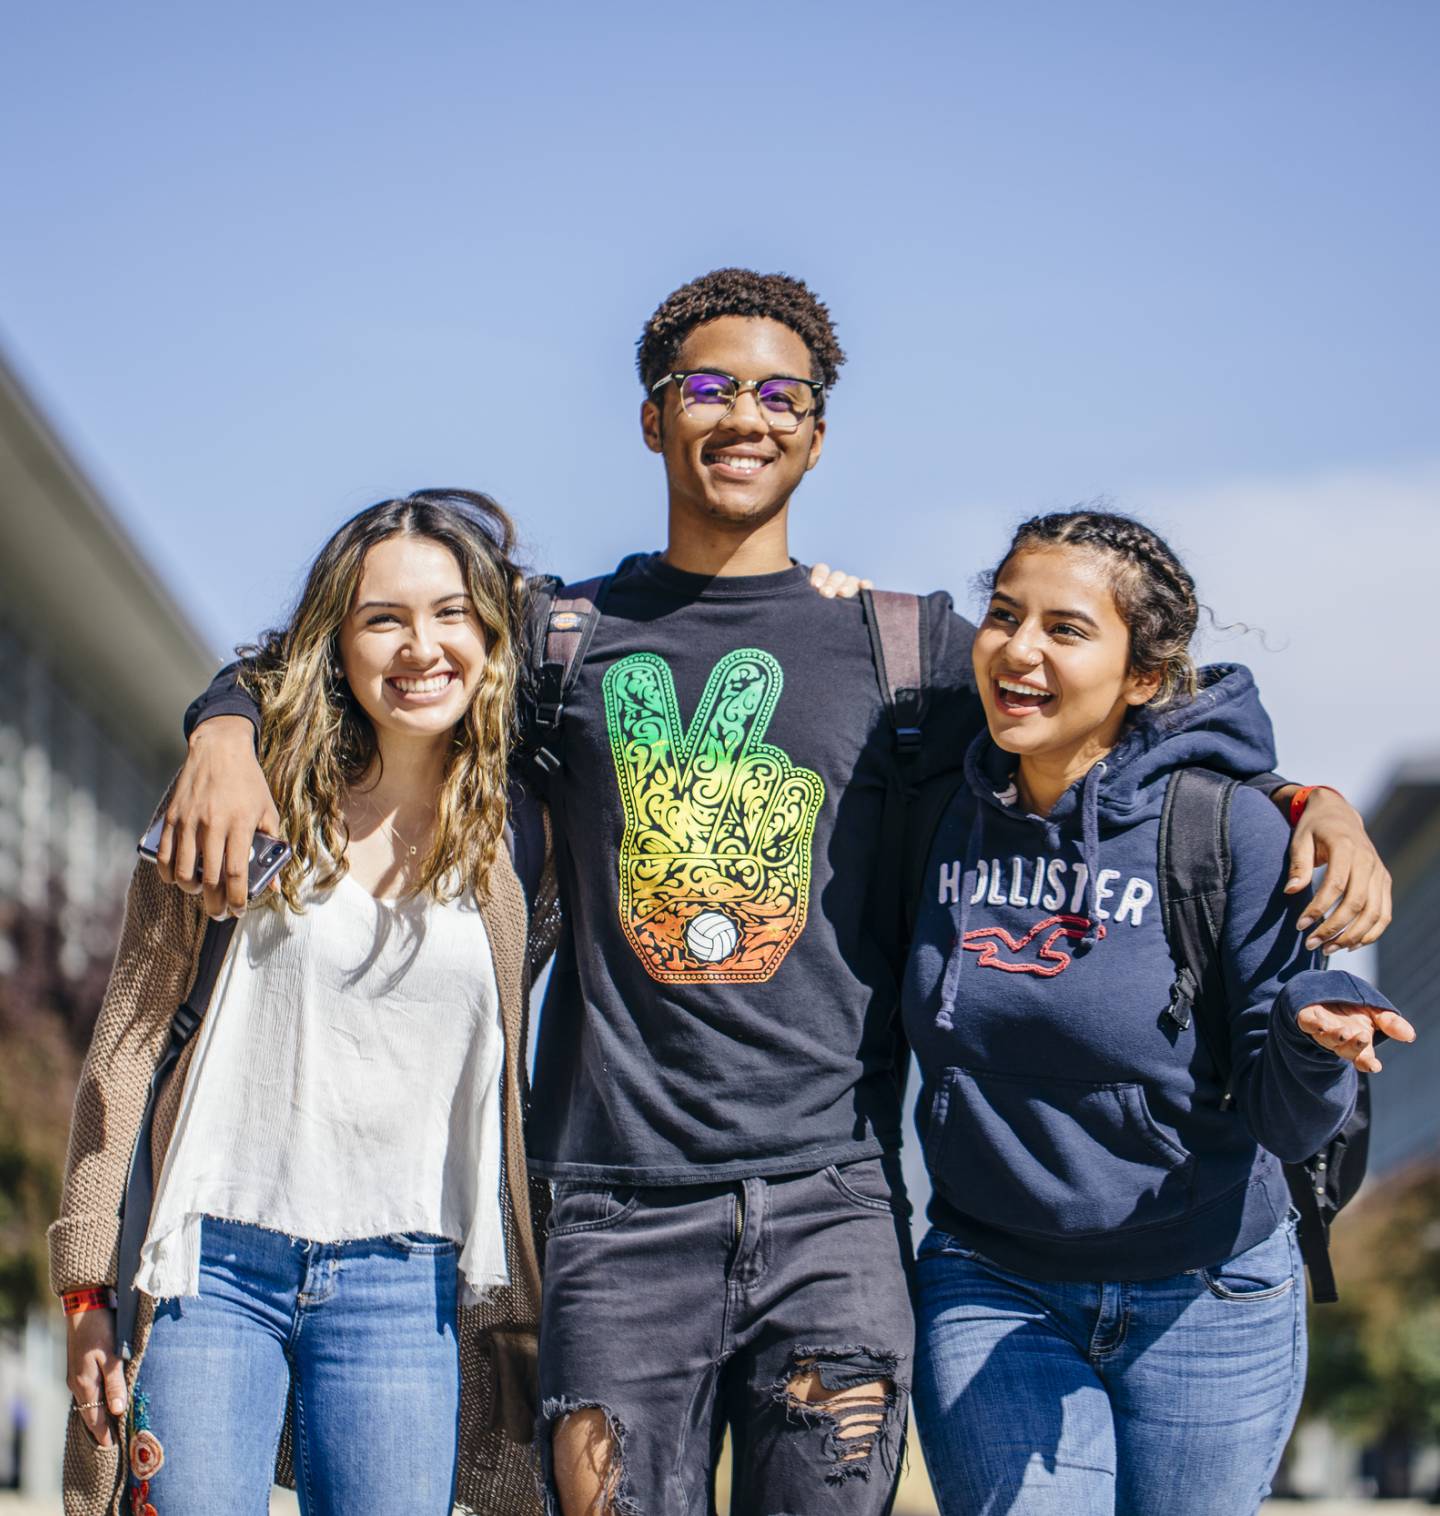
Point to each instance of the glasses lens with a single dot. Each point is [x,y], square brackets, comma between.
[706,395]
[785,402]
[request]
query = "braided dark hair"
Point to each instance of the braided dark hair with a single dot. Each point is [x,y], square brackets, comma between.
[1154,594]
[739,292]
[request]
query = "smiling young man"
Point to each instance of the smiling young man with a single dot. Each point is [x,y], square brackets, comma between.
[717,1101]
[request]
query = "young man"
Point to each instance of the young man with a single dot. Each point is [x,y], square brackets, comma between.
[717,1101]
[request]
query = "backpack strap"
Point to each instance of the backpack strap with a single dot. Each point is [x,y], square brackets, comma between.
[899,629]
[562,622]
[139,1195]
[900,645]
[564,619]
[1194,880]
[1307,1192]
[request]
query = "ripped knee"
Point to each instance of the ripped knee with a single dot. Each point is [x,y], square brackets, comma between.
[851,1394]
[587,1459]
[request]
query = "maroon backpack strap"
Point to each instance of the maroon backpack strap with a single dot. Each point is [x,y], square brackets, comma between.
[900,645]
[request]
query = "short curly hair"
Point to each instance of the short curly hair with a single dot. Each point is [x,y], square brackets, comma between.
[739,292]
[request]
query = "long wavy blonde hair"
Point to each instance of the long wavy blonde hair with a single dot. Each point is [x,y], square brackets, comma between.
[316,741]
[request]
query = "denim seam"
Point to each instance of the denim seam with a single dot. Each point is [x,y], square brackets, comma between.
[1243,1297]
[1297,1326]
[622,1213]
[713,1374]
[427,1249]
[1122,1316]
[301,1450]
[870,1202]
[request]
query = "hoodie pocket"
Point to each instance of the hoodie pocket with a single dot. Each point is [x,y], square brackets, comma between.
[1055,1157]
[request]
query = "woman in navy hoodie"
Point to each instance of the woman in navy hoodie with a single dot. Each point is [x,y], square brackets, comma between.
[1111,1307]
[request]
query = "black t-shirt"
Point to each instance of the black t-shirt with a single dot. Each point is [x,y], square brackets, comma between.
[724,998]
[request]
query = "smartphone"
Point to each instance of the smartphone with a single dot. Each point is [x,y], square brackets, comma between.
[268,855]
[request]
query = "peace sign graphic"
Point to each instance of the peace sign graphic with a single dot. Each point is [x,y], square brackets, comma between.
[715,861]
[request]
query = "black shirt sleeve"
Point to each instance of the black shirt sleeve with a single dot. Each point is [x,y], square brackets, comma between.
[224,696]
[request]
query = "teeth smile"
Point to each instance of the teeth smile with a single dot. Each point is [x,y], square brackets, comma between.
[429,686]
[749,465]
[1012,688]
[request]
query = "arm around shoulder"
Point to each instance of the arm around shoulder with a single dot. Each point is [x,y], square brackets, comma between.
[225,695]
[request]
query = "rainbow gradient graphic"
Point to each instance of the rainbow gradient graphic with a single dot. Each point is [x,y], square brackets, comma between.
[719,825]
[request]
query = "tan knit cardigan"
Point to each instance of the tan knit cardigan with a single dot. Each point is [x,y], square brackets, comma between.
[154,968]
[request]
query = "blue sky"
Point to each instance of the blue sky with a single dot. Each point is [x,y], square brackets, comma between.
[263,265]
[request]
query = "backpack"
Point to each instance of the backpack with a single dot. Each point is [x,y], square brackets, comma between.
[1194,877]
[1193,870]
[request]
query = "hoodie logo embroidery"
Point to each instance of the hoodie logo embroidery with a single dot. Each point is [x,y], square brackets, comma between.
[1049,960]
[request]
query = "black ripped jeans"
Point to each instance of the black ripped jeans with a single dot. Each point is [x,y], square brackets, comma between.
[679,1311]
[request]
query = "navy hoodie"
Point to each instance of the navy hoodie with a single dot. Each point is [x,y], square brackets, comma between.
[1071,1131]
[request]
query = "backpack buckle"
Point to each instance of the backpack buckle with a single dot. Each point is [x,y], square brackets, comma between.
[183,1024]
[1182,999]
[908,739]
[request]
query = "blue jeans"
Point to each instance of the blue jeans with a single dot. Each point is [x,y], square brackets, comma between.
[365,1333]
[1108,1399]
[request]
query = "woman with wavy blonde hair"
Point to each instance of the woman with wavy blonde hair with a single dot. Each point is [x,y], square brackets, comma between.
[338,1271]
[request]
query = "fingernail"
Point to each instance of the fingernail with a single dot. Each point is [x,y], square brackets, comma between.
[1311,943]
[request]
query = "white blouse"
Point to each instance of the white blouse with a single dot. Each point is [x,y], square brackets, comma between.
[346,1084]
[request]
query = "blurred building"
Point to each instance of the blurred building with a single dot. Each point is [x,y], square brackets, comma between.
[97,662]
[1406,829]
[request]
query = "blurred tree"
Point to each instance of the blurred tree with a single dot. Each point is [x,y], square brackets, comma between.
[1375,1356]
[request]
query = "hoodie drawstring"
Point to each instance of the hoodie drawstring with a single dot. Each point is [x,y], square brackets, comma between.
[1090,854]
[957,957]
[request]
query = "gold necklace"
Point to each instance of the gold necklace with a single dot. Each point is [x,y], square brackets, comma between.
[389,827]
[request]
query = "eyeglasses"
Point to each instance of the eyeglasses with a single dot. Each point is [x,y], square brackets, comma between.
[709,396]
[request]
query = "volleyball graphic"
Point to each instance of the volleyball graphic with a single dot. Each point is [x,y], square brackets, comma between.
[711,937]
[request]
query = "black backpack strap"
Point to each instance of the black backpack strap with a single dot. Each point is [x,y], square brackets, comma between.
[1307,1191]
[563,618]
[562,639]
[139,1195]
[900,644]
[1194,880]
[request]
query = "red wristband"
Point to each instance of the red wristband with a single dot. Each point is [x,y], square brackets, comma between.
[1301,798]
[72,1302]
